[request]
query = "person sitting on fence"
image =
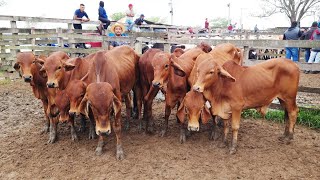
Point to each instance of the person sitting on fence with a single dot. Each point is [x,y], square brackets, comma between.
[117,31]
[307,36]
[103,17]
[292,33]
[315,52]
[130,14]
[80,15]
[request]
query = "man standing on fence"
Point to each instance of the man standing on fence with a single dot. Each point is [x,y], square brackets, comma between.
[80,15]
[292,33]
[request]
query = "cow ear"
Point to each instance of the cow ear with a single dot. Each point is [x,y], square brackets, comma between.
[181,113]
[84,106]
[68,66]
[39,61]
[177,68]
[225,74]
[116,106]
[16,66]
[205,114]
[42,72]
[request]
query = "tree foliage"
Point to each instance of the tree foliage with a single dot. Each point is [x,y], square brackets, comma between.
[295,10]
[117,16]
[219,22]
[157,19]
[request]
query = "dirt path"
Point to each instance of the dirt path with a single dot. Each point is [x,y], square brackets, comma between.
[24,153]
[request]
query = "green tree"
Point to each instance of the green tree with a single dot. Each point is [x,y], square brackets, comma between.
[117,16]
[157,19]
[219,22]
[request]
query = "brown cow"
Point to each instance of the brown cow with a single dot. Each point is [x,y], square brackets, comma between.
[220,54]
[123,61]
[231,88]
[151,64]
[103,102]
[30,72]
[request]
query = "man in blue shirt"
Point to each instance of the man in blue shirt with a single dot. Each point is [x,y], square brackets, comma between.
[292,33]
[79,14]
[103,17]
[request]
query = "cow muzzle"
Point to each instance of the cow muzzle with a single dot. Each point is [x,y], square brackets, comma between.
[27,78]
[156,84]
[72,114]
[193,125]
[100,133]
[197,88]
[51,85]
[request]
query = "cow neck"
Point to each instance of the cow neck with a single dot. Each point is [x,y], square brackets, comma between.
[65,80]
[215,91]
[37,80]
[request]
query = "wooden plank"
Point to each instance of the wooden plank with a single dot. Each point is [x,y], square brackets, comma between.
[69,50]
[279,107]
[309,89]
[302,66]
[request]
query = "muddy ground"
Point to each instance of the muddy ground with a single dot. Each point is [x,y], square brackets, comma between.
[25,154]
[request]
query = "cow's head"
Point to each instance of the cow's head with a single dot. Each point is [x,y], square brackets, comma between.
[103,102]
[194,108]
[25,65]
[55,67]
[177,69]
[161,65]
[75,90]
[63,104]
[208,73]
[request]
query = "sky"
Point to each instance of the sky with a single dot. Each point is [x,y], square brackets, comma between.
[186,13]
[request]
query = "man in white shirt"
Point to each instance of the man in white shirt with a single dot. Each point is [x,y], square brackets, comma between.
[130,14]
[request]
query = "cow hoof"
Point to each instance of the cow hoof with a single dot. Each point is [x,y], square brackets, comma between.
[99,151]
[232,151]
[120,155]
[52,139]
[182,139]
[163,133]
[74,137]
[92,135]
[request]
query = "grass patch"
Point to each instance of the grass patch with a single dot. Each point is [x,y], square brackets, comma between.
[310,118]
[4,81]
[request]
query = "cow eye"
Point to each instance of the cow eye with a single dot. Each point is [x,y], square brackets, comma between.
[211,72]
[59,67]
[166,66]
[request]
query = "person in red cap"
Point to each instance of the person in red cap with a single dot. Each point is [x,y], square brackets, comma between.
[130,14]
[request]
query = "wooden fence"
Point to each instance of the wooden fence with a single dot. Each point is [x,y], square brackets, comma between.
[16,39]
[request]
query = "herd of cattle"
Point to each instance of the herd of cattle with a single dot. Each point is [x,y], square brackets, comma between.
[204,84]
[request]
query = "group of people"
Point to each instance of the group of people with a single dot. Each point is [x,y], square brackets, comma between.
[82,16]
[312,55]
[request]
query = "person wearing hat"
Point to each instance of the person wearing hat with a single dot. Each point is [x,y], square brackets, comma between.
[117,29]
[130,14]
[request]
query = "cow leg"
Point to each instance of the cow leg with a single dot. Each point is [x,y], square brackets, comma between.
[128,110]
[138,101]
[291,112]
[148,108]
[82,123]
[74,136]
[117,129]
[214,135]
[183,137]
[100,145]
[92,132]
[53,130]
[166,120]
[235,124]
[225,134]
[47,123]
[135,108]
[286,120]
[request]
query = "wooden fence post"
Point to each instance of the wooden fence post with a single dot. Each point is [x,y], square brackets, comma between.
[138,47]
[33,40]
[70,31]
[59,39]
[166,48]
[12,51]
[2,51]
[246,53]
